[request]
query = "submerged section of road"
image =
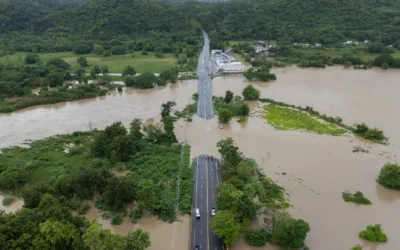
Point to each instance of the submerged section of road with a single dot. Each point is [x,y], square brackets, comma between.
[205,107]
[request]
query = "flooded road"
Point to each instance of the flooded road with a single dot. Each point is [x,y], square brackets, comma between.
[319,167]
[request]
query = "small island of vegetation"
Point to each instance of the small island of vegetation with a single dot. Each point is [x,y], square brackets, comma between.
[373,233]
[358,198]
[389,176]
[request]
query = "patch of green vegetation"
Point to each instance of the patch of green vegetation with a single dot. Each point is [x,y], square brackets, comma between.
[83,209]
[75,167]
[246,192]
[115,63]
[63,94]
[236,105]
[284,118]
[358,247]
[358,198]
[190,109]
[335,120]
[372,134]
[243,120]
[116,219]
[8,200]
[373,233]
[389,176]
[161,164]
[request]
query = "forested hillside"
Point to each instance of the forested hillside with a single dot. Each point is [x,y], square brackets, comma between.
[52,25]
[326,21]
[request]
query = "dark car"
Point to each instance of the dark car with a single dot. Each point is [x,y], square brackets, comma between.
[197,248]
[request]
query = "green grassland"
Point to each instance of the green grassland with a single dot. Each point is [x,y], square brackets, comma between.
[359,51]
[115,63]
[284,118]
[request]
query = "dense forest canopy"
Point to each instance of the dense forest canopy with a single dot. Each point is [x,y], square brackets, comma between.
[324,21]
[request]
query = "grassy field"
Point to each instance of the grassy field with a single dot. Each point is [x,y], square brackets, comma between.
[338,52]
[115,64]
[284,118]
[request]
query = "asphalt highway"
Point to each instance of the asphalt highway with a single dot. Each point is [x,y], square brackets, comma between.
[205,108]
[207,176]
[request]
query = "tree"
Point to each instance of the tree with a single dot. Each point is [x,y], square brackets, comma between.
[31,59]
[33,194]
[182,59]
[118,50]
[244,109]
[376,47]
[98,49]
[51,208]
[136,129]
[251,93]
[95,71]
[81,49]
[104,70]
[256,237]
[137,240]
[374,233]
[58,63]
[225,115]
[289,232]
[168,122]
[230,152]
[159,53]
[226,227]
[58,235]
[147,193]
[228,96]
[97,238]
[118,192]
[12,177]
[389,176]
[129,71]
[382,59]
[82,61]
[228,197]
[166,108]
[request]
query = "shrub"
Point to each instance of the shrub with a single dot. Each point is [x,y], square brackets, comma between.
[256,237]
[385,66]
[116,219]
[369,133]
[31,59]
[289,232]
[389,176]
[358,197]
[358,247]
[225,115]
[118,50]
[7,201]
[374,233]
[82,49]
[58,63]
[83,209]
[251,93]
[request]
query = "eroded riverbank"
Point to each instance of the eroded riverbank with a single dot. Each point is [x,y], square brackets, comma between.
[319,167]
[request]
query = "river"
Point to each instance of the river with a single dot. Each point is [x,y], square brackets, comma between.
[319,167]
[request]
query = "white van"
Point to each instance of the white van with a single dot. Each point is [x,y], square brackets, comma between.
[197,213]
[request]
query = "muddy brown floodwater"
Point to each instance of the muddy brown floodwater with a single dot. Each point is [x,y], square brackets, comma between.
[319,167]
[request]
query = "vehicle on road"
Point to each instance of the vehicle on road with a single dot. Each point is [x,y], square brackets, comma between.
[197,248]
[212,211]
[197,213]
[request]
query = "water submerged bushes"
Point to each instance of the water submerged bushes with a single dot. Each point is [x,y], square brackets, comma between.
[374,233]
[63,94]
[284,118]
[78,166]
[389,176]
[358,198]
[364,131]
[247,192]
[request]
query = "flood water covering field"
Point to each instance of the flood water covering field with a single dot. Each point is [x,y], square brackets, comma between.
[318,167]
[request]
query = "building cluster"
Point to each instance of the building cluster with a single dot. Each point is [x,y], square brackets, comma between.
[225,63]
